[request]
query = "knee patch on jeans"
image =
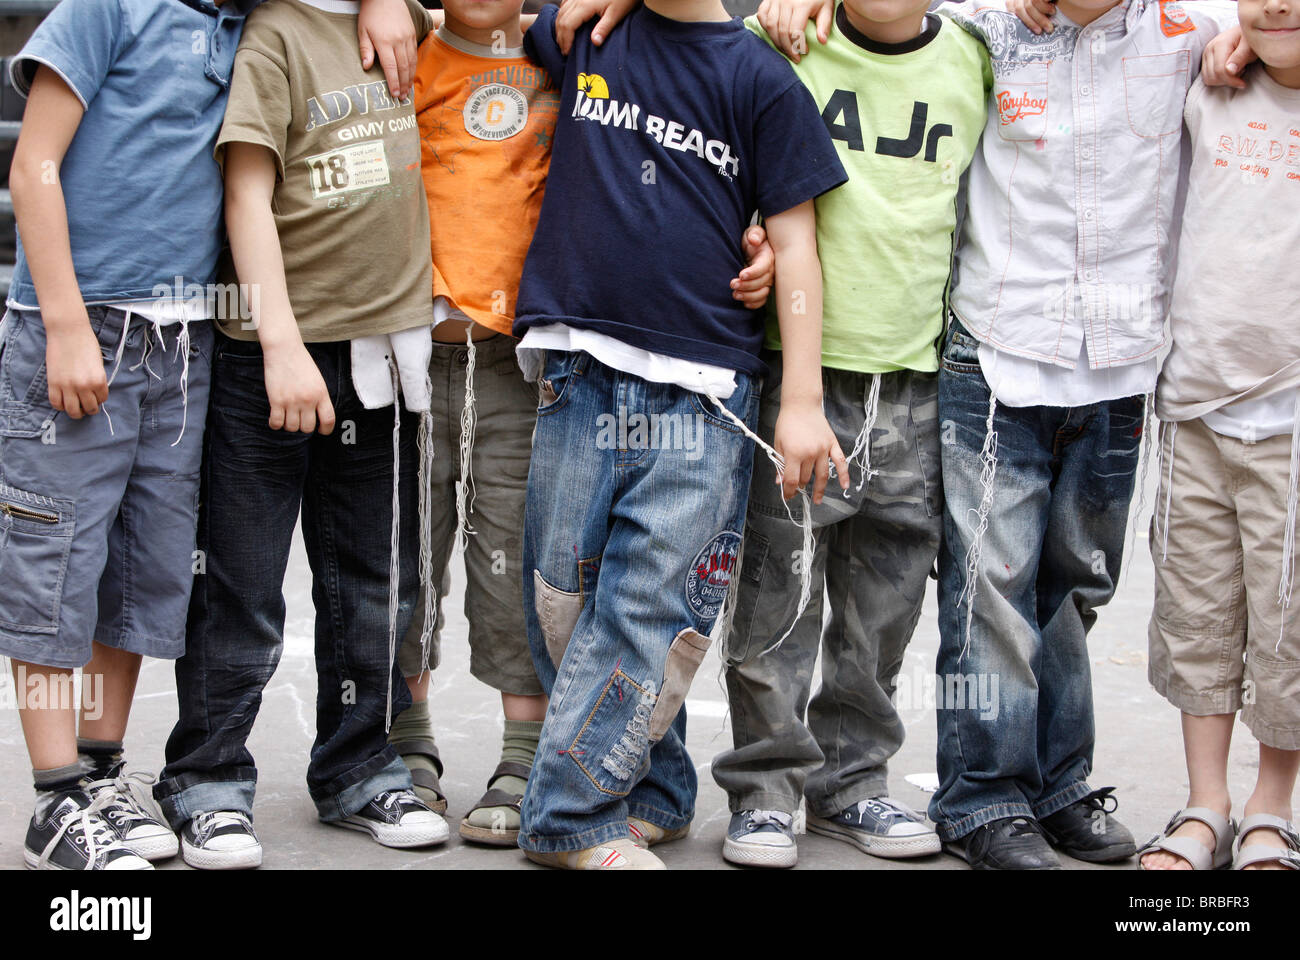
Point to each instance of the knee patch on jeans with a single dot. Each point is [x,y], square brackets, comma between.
[557,615]
[684,658]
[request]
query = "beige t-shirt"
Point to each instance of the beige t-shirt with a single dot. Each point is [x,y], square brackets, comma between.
[1236,301]
[349,202]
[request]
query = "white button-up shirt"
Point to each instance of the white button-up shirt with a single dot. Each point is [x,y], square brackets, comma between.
[1071,223]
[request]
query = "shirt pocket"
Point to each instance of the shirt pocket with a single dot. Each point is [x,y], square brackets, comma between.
[1155,92]
[1022,103]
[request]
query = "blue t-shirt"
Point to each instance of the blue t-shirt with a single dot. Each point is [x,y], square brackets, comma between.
[670,136]
[142,190]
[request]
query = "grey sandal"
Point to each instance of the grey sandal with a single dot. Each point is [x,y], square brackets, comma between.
[1288,856]
[1193,851]
[497,835]
[426,783]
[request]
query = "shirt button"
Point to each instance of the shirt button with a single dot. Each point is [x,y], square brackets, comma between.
[1090,276]
[1087,214]
[1085,90]
[1086,153]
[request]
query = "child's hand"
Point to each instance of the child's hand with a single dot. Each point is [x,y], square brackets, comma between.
[785,21]
[384,27]
[1034,14]
[299,400]
[755,281]
[74,368]
[1224,59]
[574,13]
[807,444]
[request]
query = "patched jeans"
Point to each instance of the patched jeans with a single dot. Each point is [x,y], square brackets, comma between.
[636,497]
[875,549]
[255,482]
[1015,705]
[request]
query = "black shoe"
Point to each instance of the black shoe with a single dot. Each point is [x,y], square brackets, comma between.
[1086,829]
[70,834]
[1012,843]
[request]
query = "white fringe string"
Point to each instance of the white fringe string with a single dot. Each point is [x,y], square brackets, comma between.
[988,471]
[1144,464]
[468,422]
[183,349]
[117,364]
[424,444]
[862,442]
[805,574]
[1288,535]
[1169,490]
[393,558]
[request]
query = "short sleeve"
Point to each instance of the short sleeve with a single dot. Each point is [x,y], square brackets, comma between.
[963,14]
[421,18]
[541,46]
[80,41]
[259,109]
[795,159]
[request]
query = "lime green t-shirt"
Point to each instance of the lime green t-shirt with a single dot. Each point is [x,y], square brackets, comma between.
[906,120]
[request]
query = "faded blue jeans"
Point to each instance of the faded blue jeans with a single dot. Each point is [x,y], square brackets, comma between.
[1015,710]
[631,538]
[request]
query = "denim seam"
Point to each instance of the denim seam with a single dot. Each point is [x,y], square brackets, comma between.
[567,843]
[955,829]
[1062,798]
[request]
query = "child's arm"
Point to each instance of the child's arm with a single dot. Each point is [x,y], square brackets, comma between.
[1034,14]
[384,28]
[804,439]
[74,366]
[574,13]
[1224,59]
[784,21]
[754,282]
[294,386]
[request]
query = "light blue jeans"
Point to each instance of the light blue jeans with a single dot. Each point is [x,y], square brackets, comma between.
[636,503]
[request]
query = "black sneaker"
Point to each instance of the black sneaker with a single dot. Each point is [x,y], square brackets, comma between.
[130,810]
[71,835]
[1086,829]
[220,840]
[398,818]
[1012,843]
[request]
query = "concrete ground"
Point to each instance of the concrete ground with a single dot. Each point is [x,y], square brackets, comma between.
[1138,746]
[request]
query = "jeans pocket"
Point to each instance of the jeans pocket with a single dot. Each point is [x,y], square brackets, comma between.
[557,615]
[960,350]
[35,541]
[25,408]
[613,743]
[684,658]
[557,371]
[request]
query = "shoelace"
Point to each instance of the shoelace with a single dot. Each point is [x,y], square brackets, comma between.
[762,818]
[208,822]
[1023,826]
[886,807]
[1098,800]
[99,835]
[128,801]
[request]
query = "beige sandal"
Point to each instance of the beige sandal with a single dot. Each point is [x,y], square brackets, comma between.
[1193,851]
[1288,856]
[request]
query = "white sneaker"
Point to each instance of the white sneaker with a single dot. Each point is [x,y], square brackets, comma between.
[760,838]
[220,840]
[398,818]
[129,808]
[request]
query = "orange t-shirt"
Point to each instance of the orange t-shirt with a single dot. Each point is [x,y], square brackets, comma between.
[486,123]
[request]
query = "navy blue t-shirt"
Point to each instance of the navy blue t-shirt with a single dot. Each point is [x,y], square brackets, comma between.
[670,136]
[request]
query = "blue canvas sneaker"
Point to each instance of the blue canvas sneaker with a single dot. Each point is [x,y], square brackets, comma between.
[760,838]
[881,827]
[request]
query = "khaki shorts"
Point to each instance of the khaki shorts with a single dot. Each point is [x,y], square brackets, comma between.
[1217,638]
[506,408]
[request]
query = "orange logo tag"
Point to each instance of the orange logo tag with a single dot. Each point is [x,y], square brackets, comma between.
[1174,19]
[1011,107]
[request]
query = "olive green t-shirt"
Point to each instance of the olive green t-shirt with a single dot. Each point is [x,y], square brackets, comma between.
[349,202]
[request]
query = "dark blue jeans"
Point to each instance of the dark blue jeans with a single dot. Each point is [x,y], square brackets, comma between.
[1015,706]
[255,481]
